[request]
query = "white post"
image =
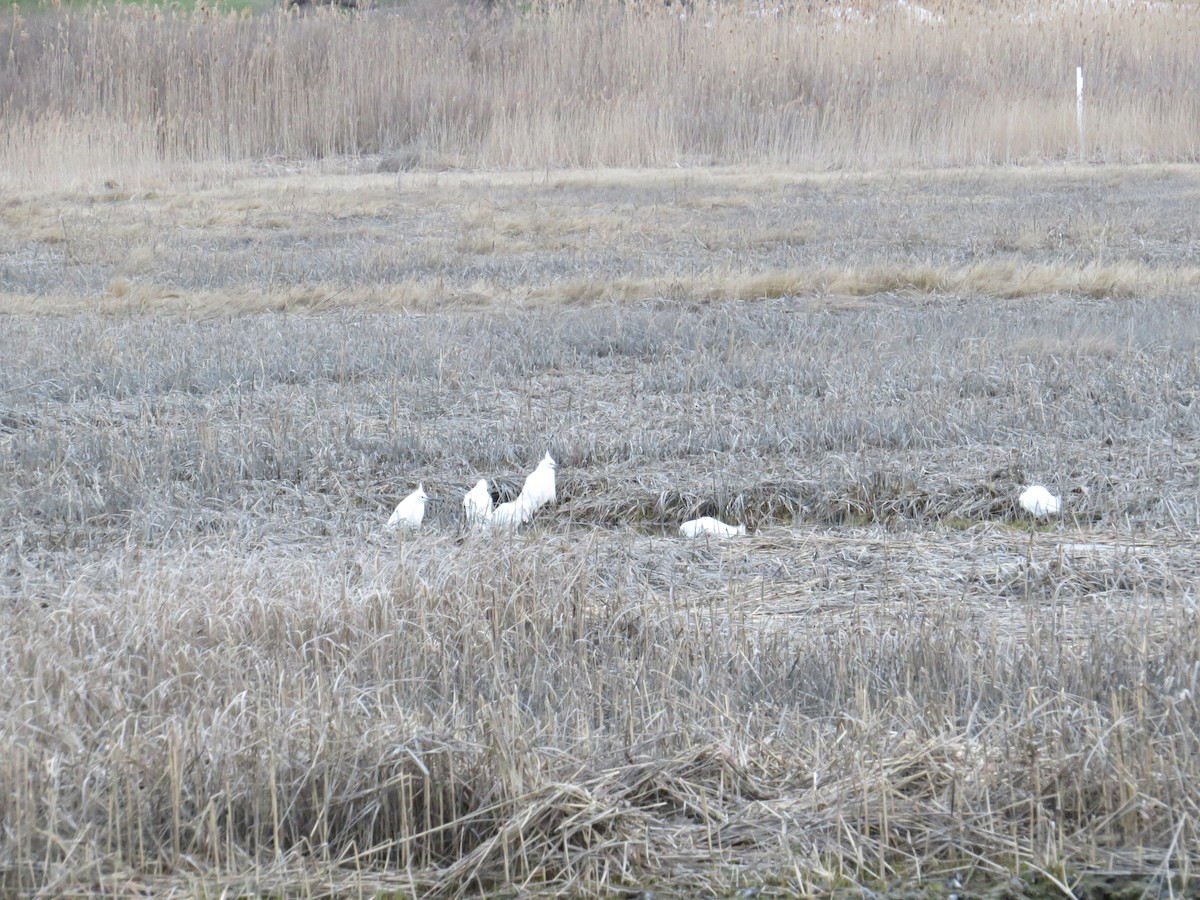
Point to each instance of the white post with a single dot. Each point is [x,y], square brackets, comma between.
[1079,108]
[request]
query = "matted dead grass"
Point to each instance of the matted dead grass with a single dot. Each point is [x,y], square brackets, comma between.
[220,675]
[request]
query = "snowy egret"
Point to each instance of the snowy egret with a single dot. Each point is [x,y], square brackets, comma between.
[709,525]
[538,489]
[477,504]
[1038,502]
[509,515]
[410,511]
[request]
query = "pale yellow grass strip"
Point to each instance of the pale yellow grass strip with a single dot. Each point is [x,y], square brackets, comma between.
[1002,280]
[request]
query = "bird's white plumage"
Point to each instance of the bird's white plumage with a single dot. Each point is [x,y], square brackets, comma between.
[477,504]
[509,515]
[538,489]
[1038,502]
[409,511]
[709,525]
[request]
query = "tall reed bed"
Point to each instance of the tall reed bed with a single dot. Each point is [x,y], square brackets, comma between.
[115,91]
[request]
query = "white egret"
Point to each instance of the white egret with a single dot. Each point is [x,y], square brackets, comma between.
[409,511]
[477,504]
[538,489]
[509,515]
[1039,502]
[709,525]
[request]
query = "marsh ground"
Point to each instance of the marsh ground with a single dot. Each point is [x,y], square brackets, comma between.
[439,241]
[221,673]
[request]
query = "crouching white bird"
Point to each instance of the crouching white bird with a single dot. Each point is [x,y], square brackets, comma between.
[709,525]
[477,504]
[409,511]
[1039,502]
[538,489]
[509,515]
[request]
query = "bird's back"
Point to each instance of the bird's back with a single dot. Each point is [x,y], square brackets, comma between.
[709,525]
[409,511]
[508,515]
[538,489]
[1038,501]
[478,502]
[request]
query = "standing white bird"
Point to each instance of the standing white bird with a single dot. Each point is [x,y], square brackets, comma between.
[538,489]
[1039,502]
[709,525]
[477,504]
[409,511]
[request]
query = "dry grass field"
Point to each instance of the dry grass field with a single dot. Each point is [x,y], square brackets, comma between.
[221,677]
[261,275]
